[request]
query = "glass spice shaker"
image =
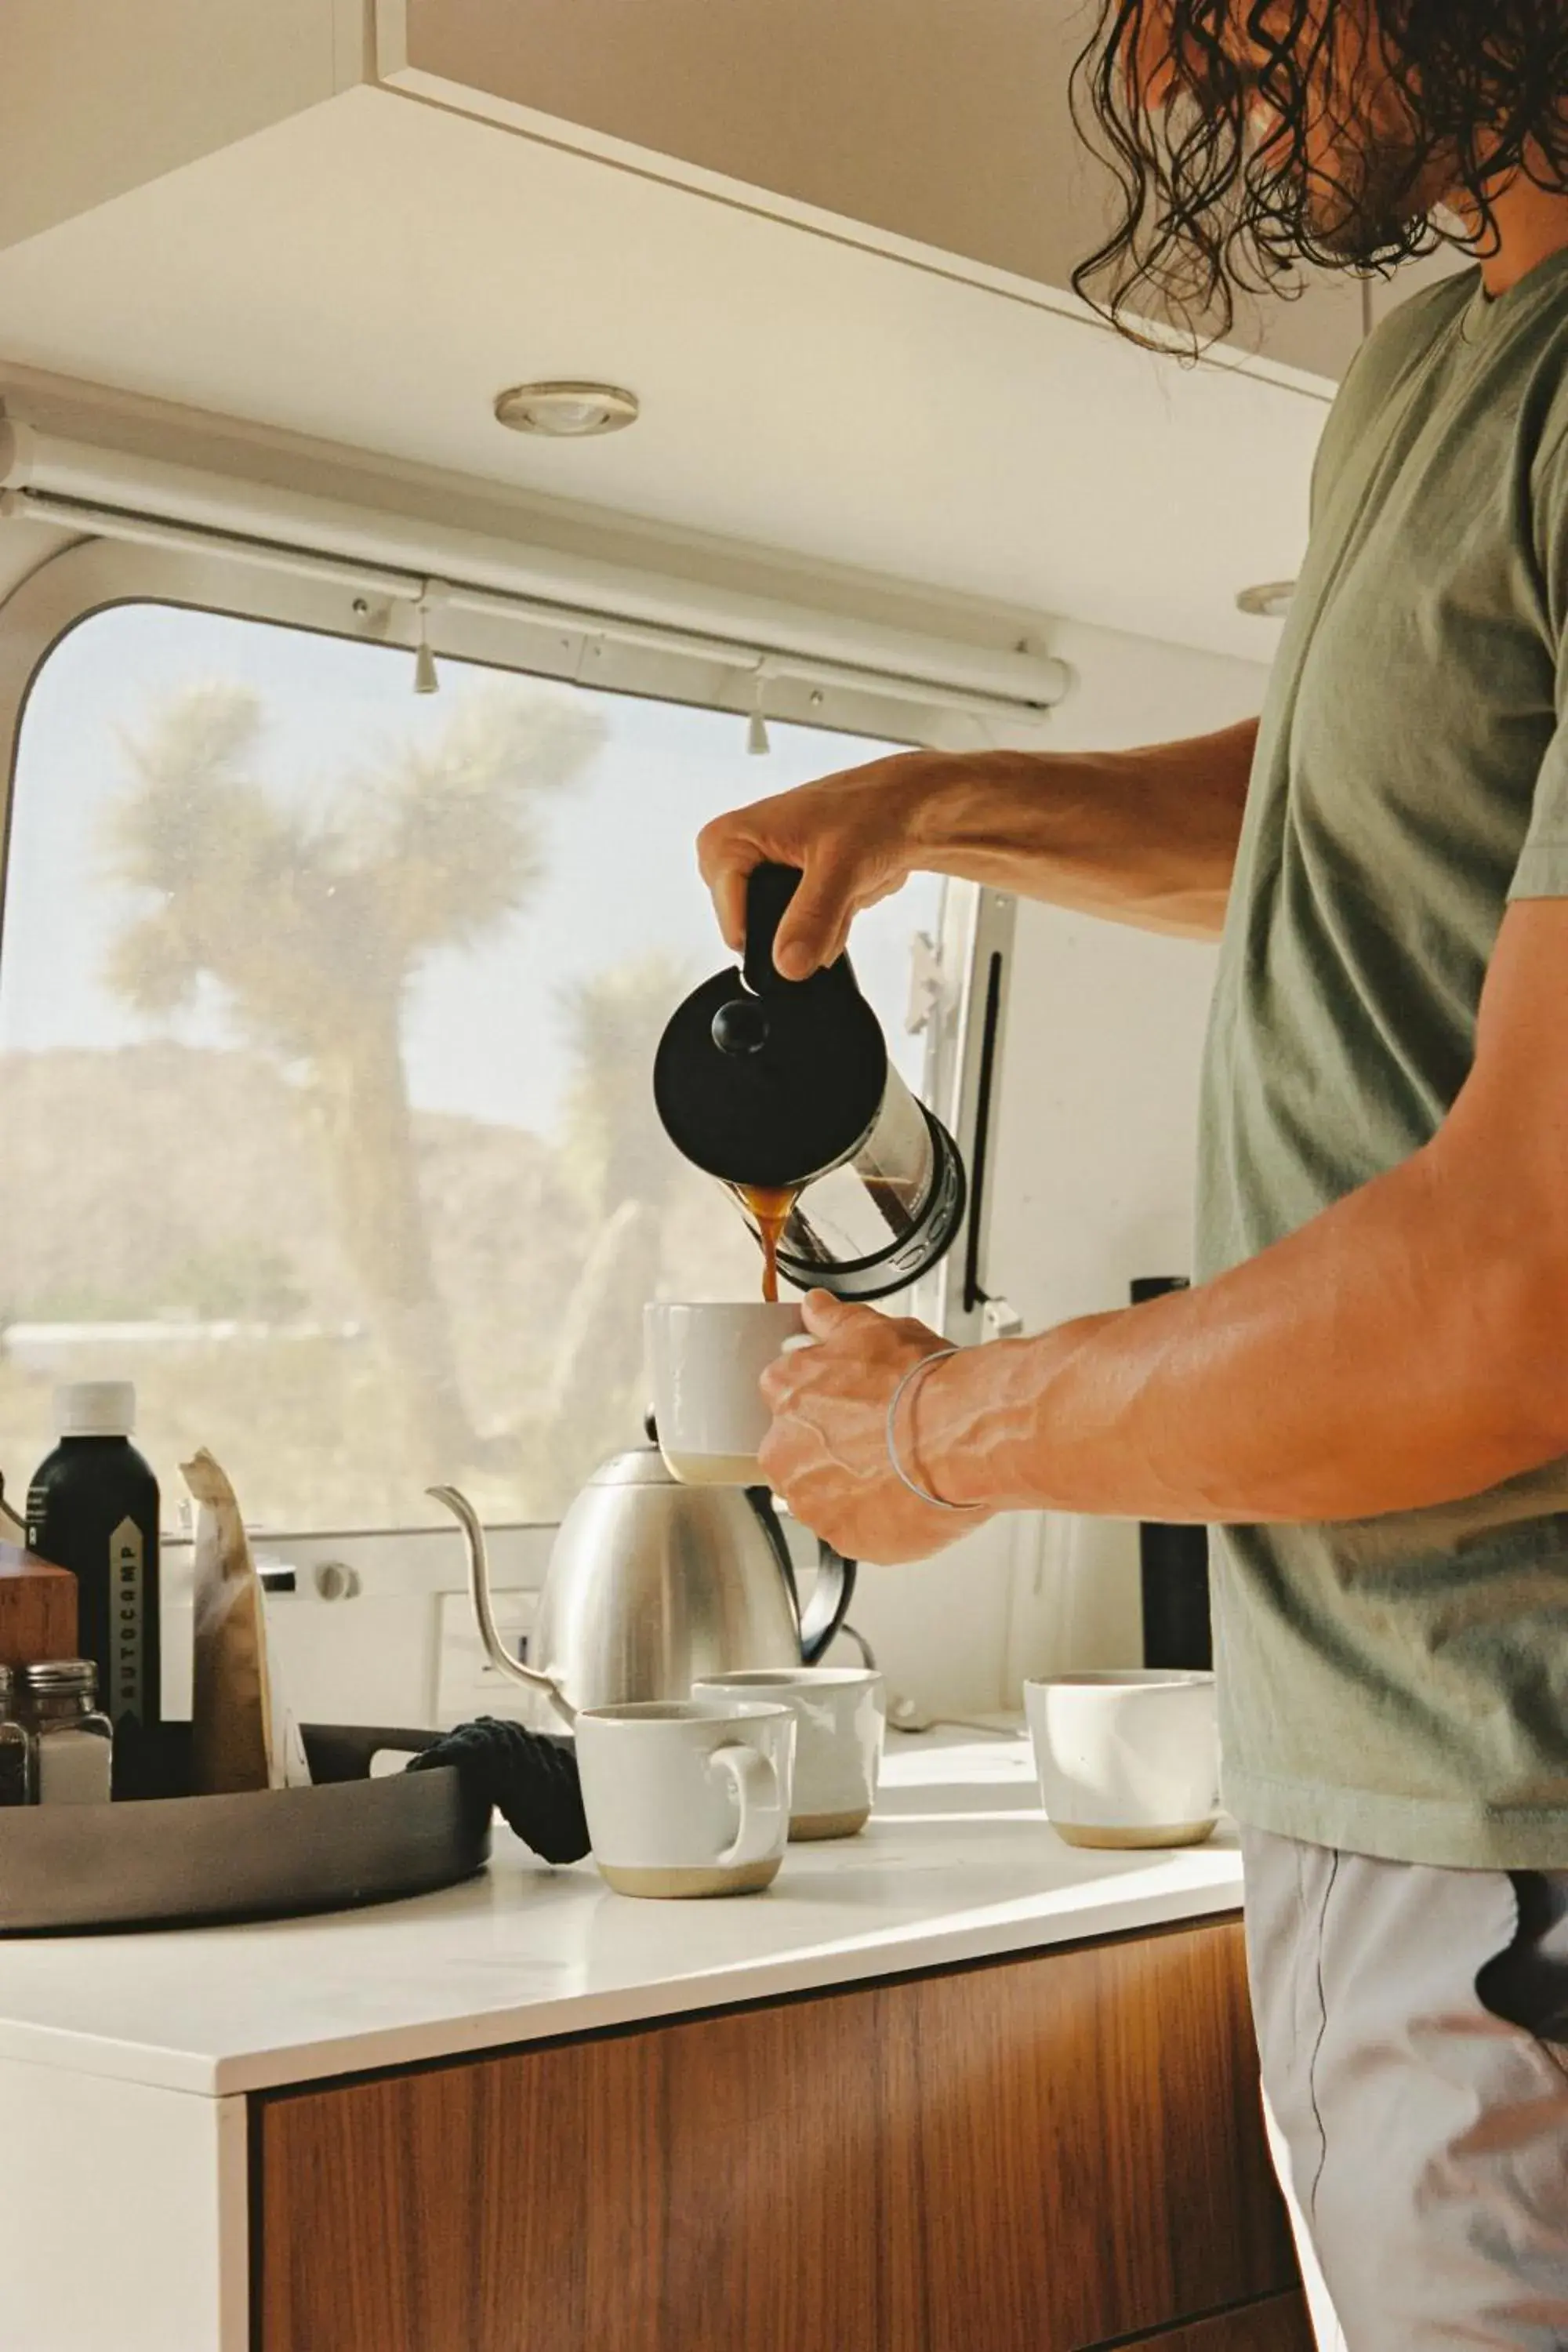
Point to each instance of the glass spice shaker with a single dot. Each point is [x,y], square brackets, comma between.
[74,1744]
[15,1746]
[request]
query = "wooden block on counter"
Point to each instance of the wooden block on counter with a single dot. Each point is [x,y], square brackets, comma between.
[38,1609]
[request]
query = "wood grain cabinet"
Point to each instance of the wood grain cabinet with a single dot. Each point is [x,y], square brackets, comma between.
[1030,2156]
[1278,2323]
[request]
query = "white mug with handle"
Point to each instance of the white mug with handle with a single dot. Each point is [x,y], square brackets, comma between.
[704,1363]
[685,1797]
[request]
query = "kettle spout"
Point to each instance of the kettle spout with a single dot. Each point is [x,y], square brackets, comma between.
[499,1656]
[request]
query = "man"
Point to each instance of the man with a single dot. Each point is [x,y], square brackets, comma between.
[1367,1390]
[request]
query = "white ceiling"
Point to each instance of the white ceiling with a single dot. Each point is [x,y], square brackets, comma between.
[374,270]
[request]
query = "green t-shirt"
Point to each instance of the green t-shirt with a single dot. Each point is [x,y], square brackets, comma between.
[1399,1685]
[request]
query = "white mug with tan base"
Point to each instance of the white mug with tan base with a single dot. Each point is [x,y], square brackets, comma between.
[840,1717]
[687,1797]
[1129,1758]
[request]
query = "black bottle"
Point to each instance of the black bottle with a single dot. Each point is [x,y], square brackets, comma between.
[1174,1562]
[93,1508]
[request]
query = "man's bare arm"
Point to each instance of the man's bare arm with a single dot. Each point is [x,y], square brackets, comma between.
[1146,837]
[1404,1347]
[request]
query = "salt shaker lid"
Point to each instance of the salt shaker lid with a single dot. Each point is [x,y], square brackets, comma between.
[53,1675]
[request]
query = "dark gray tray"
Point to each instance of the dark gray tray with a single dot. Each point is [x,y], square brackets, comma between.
[195,1861]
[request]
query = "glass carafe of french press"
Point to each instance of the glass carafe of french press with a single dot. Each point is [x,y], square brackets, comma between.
[783,1090]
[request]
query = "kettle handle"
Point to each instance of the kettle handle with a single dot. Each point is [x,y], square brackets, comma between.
[761,1499]
[829,1602]
[834,1590]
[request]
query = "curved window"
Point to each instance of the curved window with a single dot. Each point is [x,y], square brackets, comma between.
[326,1019]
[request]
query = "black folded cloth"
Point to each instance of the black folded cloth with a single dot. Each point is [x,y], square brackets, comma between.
[530,1778]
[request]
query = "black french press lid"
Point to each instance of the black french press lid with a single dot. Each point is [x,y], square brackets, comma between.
[766,1081]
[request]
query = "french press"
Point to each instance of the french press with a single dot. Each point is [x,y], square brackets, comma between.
[778,1086]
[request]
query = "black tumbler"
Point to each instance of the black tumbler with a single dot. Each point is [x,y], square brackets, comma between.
[1174,1562]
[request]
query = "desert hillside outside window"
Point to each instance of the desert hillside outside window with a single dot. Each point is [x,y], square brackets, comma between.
[326,1016]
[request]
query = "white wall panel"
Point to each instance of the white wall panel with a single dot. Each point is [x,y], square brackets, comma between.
[1386,294]
[1097,1134]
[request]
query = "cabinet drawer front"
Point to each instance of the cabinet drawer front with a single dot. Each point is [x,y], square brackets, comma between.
[1279,2323]
[1022,2158]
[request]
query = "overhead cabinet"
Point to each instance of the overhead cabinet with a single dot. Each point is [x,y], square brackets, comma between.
[948,127]
[916,126]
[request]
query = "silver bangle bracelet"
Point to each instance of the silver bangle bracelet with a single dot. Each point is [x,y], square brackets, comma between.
[917,1369]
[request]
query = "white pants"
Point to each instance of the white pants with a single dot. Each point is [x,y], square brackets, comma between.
[1413,2027]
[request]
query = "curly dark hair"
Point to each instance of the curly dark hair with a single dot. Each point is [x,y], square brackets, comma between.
[1374,109]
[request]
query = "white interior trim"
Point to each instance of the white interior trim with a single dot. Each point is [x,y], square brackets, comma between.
[409,588]
[114,493]
[391,17]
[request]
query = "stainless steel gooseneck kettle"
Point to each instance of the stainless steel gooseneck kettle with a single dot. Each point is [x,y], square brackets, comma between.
[652,1585]
[780,1086]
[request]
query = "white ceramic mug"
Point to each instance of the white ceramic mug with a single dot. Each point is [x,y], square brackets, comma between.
[840,1721]
[687,1797]
[1129,1758]
[704,1363]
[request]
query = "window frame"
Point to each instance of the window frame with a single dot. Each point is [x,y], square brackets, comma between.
[93,575]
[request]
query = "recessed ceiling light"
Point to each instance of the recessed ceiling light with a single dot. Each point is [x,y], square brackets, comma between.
[567,412]
[1271,601]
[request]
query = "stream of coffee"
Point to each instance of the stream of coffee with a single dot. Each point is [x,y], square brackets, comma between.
[771,1207]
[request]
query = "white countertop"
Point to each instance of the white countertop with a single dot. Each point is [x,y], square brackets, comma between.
[958,1864]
